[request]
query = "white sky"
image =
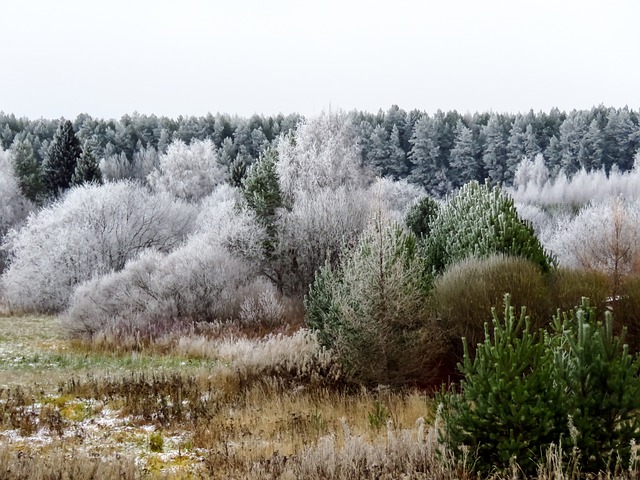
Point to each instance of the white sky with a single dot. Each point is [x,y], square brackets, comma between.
[190,57]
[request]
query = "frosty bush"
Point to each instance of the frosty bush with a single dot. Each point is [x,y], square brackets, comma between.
[534,185]
[314,231]
[198,282]
[227,221]
[213,276]
[91,231]
[605,237]
[14,207]
[189,172]
[396,197]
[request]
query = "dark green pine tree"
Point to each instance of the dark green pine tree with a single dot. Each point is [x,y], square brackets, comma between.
[87,169]
[63,155]
[27,171]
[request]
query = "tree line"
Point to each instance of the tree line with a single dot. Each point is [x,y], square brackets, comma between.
[440,152]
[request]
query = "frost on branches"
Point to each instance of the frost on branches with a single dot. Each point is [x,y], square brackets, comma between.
[91,231]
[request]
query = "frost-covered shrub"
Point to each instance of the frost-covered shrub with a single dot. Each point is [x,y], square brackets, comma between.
[605,237]
[214,276]
[314,231]
[227,221]
[14,207]
[189,172]
[396,197]
[480,221]
[91,231]
[372,311]
[200,281]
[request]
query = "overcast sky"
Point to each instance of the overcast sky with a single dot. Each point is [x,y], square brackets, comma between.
[190,57]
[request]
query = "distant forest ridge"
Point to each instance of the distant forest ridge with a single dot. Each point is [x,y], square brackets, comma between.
[440,151]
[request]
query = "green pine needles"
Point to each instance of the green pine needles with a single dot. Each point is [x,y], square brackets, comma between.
[372,310]
[482,220]
[525,391]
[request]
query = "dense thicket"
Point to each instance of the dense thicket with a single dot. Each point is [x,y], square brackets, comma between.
[441,151]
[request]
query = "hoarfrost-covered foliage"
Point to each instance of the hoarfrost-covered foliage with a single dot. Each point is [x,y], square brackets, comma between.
[91,231]
[200,281]
[228,222]
[116,167]
[323,153]
[534,185]
[211,277]
[324,189]
[604,236]
[314,231]
[397,197]
[14,206]
[189,172]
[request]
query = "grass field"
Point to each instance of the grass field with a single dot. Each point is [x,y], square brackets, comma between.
[197,408]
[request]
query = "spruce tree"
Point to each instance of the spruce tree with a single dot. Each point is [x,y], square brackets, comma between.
[63,155]
[87,169]
[27,171]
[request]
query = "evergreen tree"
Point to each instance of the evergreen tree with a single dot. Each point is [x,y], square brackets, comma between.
[87,169]
[463,162]
[531,147]
[618,134]
[397,166]
[572,131]
[63,155]
[590,155]
[261,190]
[27,171]
[495,152]
[424,152]
[480,221]
[372,311]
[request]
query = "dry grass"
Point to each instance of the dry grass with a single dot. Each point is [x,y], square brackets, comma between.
[207,406]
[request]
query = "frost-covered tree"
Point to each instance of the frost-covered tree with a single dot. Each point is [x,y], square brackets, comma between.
[314,231]
[322,153]
[396,197]
[90,231]
[604,236]
[189,172]
[619,140]
[463,162]
[60,164]
[572,131]
[425,152]
[531,173]
[495,151]
[591,152]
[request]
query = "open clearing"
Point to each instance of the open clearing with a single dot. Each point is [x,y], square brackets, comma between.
[151,414]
